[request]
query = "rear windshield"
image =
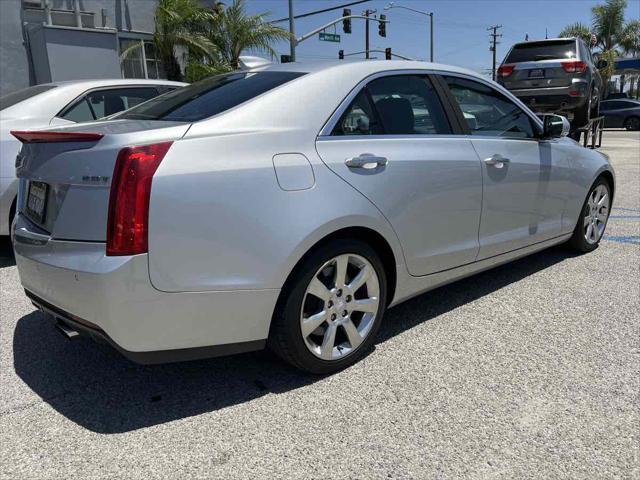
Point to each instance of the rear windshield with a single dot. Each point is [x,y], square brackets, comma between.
[16,97]
[207,97]
[536,51]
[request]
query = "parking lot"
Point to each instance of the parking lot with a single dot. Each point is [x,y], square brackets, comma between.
[528,370]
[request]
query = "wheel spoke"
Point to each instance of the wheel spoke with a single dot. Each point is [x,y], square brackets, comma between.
[369,305]
[360,279]
[329,340]
[317,289]
[589,231]
[353,335]
[341,270]
[587,220]
[310,324]
[602,200]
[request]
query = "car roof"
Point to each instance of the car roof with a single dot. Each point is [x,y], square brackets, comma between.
[362,67]
[102,82]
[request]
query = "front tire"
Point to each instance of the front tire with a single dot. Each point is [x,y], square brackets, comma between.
[593,218]
[331,308]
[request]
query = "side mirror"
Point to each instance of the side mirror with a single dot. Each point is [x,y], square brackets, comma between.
[555,126]
[602,64]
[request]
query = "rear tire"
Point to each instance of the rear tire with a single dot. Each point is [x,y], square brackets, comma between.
[632,123]
[325,335]
[582,114]
[593,218]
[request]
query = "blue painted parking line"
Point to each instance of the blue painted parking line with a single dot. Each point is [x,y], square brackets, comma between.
[625,216]
[633,239]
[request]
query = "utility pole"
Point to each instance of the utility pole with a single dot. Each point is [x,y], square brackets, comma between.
[494,42]
[292,30]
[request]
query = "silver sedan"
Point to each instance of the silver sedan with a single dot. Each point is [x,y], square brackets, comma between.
[289,206]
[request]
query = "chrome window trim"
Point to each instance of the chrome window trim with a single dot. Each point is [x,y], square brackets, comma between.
[330,124]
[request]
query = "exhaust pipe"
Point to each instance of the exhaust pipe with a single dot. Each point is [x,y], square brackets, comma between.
[68,332]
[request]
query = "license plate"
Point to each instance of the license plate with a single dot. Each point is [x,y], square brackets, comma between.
[37,201]
[536,73]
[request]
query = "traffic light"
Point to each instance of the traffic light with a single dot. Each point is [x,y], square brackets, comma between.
[382,26]
[387,53]
[346,23]
[340,54]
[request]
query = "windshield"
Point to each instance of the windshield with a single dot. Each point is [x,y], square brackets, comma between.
[536,51]
[16,97]
[207,97]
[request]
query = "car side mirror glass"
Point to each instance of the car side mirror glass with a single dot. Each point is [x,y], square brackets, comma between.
[555,126]
[602,64]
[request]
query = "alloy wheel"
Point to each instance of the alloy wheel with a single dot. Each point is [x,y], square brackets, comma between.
[597,213]
[340,306]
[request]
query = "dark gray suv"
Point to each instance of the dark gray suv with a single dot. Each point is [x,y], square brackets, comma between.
[556,75]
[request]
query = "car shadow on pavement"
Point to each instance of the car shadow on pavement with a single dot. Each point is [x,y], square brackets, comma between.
[7,258]
[95,387]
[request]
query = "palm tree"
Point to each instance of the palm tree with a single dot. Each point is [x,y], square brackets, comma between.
[611,31]
[233,31]
[630,44]
[577,29]
[179,24]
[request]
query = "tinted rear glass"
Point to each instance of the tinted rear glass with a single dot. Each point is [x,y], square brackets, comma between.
[536,51]
[16,97]
[208,97]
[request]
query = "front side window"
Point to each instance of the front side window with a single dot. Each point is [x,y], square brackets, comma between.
[208,97]
[488,112]
[395,105]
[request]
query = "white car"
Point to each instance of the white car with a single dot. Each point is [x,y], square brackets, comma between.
[290,205]
[61,103]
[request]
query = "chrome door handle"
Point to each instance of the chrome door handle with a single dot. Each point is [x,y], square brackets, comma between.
[496,160]
[366,160]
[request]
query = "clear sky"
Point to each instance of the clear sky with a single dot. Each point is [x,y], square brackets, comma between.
[460,27]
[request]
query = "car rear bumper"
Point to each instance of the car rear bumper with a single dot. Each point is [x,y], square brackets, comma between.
[553,98]
[112,298]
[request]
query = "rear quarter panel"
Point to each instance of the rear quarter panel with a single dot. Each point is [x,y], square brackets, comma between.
[219,220]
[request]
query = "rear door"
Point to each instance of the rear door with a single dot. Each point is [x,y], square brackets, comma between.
[393,142]
[527,181]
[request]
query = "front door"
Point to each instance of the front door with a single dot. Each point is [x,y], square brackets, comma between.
[394,144]
[526,180]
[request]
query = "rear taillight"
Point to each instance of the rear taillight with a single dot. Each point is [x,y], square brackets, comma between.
[505,70]
[128,225]
[574,66]
[55,137]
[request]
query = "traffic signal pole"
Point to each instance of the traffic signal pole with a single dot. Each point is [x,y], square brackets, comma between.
[366,35]
[313,32]
[292,30]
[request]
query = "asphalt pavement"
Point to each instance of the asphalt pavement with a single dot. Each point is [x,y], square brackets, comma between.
[530,370]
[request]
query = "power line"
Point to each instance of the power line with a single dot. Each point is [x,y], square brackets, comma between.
[315,12]
[494,42]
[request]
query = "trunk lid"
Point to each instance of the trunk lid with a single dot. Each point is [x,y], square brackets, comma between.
[65,183]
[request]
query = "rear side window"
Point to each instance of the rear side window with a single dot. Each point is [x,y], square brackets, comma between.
[209,97]
[536,51]
[488,112]
[11,99]
[102,103]
[395,105]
